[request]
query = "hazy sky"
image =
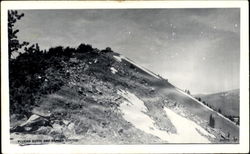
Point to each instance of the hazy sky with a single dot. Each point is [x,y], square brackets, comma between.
[195,49]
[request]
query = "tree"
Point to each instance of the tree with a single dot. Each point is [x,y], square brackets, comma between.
[14,44]
[84,48]
[231,118]
[219,110]
[107,50]
[211,121]
[238,121]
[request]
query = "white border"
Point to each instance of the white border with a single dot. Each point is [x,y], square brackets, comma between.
[243,147]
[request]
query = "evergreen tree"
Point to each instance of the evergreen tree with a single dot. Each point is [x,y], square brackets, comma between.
[211,121]
[14,44]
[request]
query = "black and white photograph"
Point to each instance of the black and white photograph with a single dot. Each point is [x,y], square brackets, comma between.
[124,76]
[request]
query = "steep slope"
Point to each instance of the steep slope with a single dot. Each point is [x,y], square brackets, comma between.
[187,102]
[228,102]
[106,98]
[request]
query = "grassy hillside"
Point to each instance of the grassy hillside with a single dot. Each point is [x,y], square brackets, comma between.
[86,96]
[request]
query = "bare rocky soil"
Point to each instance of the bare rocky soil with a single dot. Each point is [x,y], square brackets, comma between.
[87,107]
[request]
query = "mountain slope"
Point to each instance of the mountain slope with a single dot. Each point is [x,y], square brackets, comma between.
[227,102]
[106,98]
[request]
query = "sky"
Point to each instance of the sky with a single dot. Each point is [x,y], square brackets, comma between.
[195,49]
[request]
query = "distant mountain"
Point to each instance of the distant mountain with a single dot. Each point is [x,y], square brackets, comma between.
[228,102]
[88,96]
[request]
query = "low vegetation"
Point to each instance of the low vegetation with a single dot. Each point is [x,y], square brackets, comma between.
[71,93]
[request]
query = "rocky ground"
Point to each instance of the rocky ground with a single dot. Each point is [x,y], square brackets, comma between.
[106,100]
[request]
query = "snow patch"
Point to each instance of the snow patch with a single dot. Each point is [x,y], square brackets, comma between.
[187,130]
[133,110]
[119,59]
[144,69]
[113,70]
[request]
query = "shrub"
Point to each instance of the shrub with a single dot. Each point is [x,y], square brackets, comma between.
[132,66]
